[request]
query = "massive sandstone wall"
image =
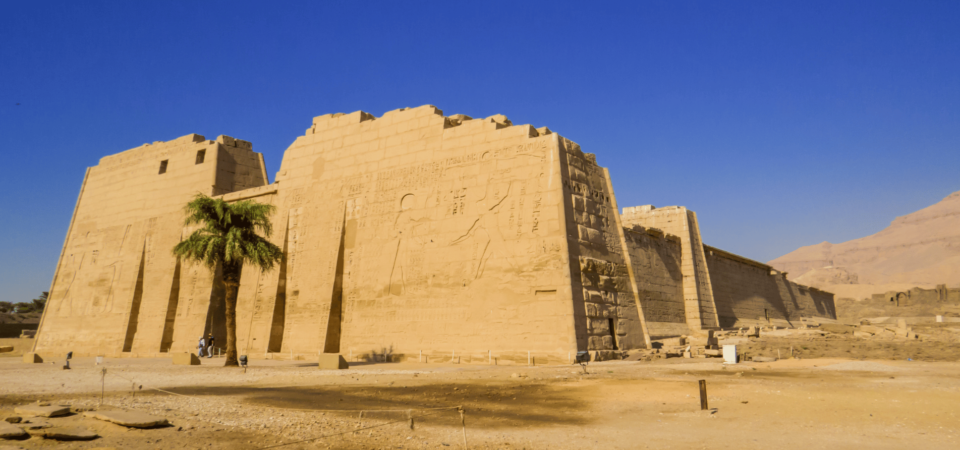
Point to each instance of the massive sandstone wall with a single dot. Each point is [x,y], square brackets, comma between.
[412,235]
[606,311]
[417,232]
[679,221]
[747,292]
[655,259]
[117,287]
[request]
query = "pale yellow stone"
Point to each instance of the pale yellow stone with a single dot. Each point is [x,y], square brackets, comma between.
[329,361]
[186,359]
[412,236]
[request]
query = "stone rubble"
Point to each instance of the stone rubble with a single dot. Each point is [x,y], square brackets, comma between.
[43,411]
[65,434]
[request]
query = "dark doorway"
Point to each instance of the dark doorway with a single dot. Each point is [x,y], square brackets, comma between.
[613,333]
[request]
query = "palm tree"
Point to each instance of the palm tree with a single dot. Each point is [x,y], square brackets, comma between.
[228,238]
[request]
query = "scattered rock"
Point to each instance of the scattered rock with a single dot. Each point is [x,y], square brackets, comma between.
[34,424]
[8,431]
[14,419]
[133,419]
[65,434]
[42,411]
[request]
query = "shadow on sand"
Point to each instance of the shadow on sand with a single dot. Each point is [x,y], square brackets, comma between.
[493,405]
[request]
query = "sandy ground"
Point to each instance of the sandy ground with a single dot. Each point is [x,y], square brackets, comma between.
[806,403]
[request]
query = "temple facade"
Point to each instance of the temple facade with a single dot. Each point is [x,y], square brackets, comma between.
[411,235]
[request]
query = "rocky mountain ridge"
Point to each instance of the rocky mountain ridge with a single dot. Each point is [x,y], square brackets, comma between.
[918,249]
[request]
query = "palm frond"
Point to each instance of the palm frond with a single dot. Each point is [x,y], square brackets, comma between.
[229,233]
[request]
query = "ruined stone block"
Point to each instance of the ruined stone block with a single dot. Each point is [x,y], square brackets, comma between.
[186,359]
[332,361]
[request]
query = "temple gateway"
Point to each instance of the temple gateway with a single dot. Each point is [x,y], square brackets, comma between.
[413,235]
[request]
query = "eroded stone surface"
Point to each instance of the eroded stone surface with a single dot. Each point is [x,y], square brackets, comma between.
[8,431]
[34,424]
[43,411]
[133,419]
[65,434]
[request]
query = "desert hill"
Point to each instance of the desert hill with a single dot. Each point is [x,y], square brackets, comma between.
[919,249]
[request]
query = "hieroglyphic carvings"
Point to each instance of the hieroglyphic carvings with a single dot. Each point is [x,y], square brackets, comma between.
[406,232]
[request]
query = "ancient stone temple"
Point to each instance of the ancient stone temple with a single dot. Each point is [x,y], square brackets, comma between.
[413,234]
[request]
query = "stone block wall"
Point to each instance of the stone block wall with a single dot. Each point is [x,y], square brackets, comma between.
[607,302]
[655,259]
[916,296]
[412,235]
[117,287]
[679,221]
[749,293]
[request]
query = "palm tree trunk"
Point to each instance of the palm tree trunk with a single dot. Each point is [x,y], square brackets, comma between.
[231,281]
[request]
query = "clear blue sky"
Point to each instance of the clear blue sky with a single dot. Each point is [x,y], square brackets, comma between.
[781,123]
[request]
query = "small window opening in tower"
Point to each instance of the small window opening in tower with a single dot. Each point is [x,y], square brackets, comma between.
[163,166]
[200,155]
[613,333]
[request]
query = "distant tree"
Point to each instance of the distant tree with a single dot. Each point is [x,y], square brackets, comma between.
[6,307]
[40,302]
[228,238]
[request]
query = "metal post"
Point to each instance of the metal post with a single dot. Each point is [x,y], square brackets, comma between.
[103,377]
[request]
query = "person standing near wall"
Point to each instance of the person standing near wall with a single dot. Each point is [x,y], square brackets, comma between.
[210,346]
[200,346]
